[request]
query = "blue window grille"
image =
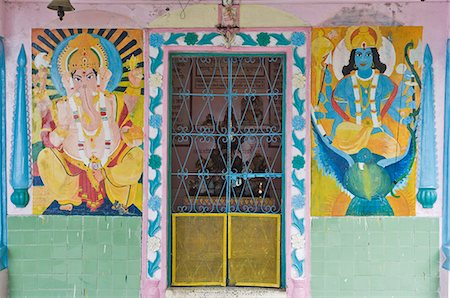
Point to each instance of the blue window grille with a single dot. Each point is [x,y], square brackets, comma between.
[227,133]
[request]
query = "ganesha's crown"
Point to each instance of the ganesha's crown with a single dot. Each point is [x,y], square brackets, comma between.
[362,37]
[82,52]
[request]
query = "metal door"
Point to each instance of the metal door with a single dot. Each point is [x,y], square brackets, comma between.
[226,180]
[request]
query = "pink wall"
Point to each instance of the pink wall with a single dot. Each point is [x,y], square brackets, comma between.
[2,7]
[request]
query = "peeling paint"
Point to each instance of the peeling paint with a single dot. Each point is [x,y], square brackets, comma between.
[353,16]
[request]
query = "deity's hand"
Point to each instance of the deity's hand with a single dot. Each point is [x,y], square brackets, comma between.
[67,82]
[135,77]
[43,105]
[130,101]
[105,75]
[98,175]
[56,139]
[133,92]
[64,114]
[132,136]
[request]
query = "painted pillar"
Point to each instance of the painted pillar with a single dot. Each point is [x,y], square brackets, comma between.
[3,164]
[446,186]
[427,169]
[20,162]
[3,186]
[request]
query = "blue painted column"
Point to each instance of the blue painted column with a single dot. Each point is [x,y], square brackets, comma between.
[446,172]
[427,168]
[20,163]
[3,186]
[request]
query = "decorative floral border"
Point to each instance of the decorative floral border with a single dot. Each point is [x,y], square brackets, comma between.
[158,41]
[155,134]
[298,251]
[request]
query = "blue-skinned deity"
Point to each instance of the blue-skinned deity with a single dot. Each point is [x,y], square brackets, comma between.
[361,151]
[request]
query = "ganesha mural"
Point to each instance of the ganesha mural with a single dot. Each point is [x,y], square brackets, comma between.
[365,105]
[87,121]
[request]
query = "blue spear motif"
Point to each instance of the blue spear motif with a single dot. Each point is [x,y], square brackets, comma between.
[20,162]
[427,169]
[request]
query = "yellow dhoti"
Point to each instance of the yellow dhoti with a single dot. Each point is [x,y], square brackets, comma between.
[351,138]
[57,177]
[70,181]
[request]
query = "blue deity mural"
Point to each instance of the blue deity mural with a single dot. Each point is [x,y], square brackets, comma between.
[365,106]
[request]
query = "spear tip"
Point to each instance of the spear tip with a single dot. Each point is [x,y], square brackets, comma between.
[427,57]
[22,60]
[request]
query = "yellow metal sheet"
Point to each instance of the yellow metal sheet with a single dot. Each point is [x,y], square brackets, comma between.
[199,249]
[254,249]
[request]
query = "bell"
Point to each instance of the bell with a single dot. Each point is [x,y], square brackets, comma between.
[61,6]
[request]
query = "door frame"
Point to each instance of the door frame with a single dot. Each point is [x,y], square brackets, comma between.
[168,134]
[294,44]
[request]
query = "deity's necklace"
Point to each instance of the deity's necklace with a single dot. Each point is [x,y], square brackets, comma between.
[365,87]
[92,136]
[93,161]
[373,107]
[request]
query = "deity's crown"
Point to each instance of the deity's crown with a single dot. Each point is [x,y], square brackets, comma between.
[362,37]
[82,52]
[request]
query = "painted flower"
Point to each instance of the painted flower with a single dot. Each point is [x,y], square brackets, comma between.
[298,241]
[298,39]
[263,39]
[298,123]
[153,245]
[298,162]
[155,121]
[154,161]
[154,203]
[298,201]
[155,80]
[299,80]
[191,38]
[156,40]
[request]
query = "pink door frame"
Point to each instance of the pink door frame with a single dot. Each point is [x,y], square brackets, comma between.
[297,286]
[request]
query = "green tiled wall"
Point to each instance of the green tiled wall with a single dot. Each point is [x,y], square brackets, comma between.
[74,256]
[375,257]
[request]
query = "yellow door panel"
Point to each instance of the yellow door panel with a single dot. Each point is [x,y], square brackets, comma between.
[199,249]
[254,249]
